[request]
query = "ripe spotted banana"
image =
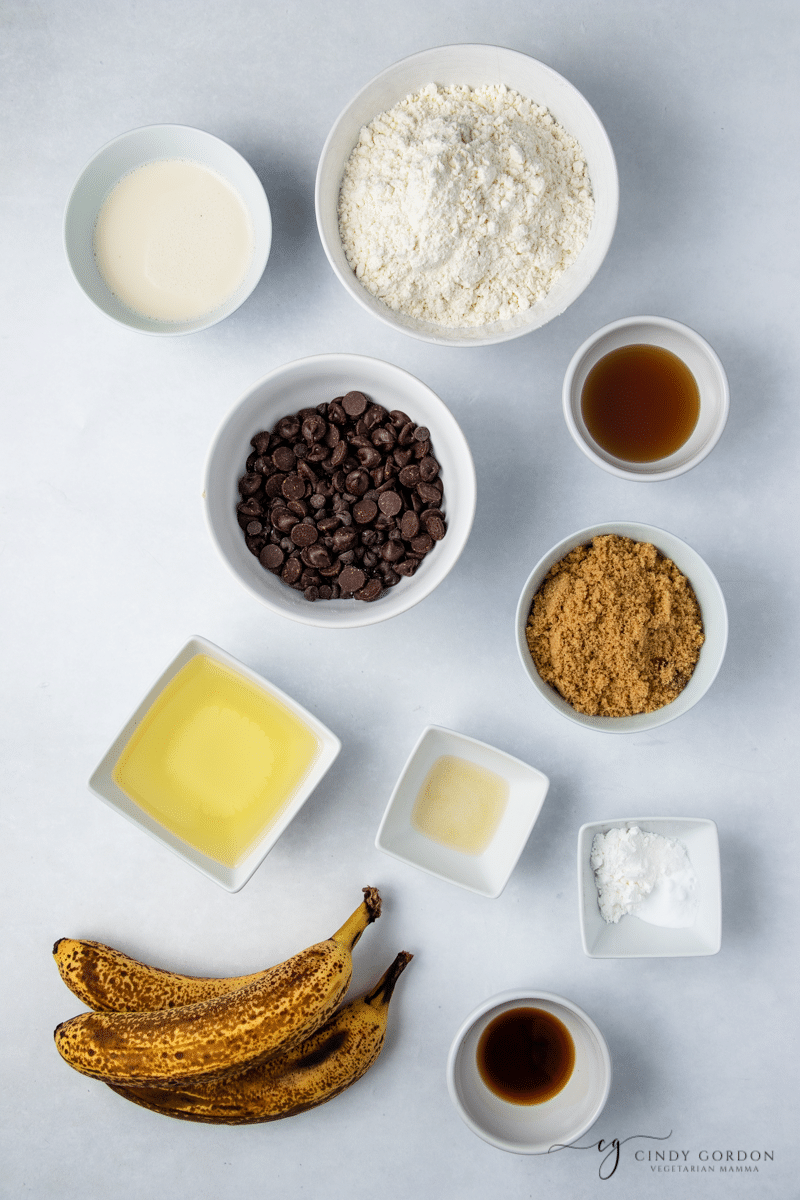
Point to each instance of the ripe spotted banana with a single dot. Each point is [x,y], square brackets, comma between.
[213,1037]
[326,1063]
[109,981]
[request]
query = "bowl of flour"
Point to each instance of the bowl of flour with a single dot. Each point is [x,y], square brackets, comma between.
[467,195]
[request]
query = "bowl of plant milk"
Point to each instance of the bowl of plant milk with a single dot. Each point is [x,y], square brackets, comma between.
[168,229]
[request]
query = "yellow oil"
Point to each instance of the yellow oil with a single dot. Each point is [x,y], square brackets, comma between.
[215,760]
[460,804]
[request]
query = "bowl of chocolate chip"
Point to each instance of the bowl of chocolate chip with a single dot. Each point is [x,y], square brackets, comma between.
[340,490]
[621,627]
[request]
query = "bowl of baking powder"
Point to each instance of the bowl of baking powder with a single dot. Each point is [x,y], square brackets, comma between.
[467,195]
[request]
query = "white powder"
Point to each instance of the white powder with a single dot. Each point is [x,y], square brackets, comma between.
[463,206]
[644,874]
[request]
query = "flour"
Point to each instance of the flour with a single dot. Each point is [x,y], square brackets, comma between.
[463,206]
[644,874]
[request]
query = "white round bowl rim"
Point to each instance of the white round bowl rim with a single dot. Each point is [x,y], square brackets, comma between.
[509,997]
[682,330]
[259,260]
[365,613]
[639,532]
[430,335]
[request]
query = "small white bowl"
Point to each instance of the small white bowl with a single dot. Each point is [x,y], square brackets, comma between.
[530,1128]
[125,154]
[632,938]
[486,873]
[712,609]
[230,878]
[474,66]
[306,383]
[694,351]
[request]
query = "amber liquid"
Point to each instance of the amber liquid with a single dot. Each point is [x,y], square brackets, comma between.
[526,1055]
[640,403]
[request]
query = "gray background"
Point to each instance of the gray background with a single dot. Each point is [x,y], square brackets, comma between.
[108,569]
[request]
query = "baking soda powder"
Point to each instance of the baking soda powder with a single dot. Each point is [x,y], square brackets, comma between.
[646,875]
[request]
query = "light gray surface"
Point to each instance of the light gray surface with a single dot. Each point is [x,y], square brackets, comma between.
[108,569]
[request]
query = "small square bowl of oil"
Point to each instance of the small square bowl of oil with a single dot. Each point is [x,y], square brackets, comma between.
[215,763]
[462,810]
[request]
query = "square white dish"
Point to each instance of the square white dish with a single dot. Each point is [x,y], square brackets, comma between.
[633,938]
[232,878]
[486,873]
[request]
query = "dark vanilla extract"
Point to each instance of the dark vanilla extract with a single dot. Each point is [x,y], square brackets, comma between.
[640,403]
[526,1055]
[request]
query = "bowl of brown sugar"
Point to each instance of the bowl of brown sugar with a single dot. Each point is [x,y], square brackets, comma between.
[621,627]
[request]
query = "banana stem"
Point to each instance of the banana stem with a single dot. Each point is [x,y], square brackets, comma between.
[365,914]
[381,994]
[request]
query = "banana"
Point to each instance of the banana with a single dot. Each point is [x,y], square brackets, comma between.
[211,1038]
[321,1067]
[107,980]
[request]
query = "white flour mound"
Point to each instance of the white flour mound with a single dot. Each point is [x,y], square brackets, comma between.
[463,206]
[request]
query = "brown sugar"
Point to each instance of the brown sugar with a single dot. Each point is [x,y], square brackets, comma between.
[615,628]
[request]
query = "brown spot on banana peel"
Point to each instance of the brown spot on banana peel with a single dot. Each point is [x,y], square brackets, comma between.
[323,1066]
[107,980]
[213,1037]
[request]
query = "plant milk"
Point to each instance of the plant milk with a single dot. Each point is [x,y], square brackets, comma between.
[173,240]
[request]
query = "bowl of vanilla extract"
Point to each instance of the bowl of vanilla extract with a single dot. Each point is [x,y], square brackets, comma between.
[529,1071]
[646,398]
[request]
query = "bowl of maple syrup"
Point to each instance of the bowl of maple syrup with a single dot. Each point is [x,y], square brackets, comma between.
[529,1071]
[646,398]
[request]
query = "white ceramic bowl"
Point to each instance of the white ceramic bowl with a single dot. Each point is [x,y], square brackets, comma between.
[695,352]
[486,873]
[712,609]
[306,383]
[231,878]
[475,66]
[632,938]
[125,154]
[530,1128]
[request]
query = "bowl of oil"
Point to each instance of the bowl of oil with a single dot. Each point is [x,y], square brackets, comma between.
[462,810]
[646,398]
[215,763]
[529,1071]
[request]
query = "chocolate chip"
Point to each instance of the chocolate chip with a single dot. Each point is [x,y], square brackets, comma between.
[428,469]
[422,543]
[409,476]
[390,503]
[428,493]
[251,507]
[304,535]
[409,524]
[354,403]
[365,511]
[283,458]
[292,570]
[351,579]
[249,484]
[271,557]
[370,591]
[342,499]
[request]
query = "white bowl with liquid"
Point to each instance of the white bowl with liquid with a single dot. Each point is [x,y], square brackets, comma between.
[530,1128]
[159,144]
[230,876]
[410,831]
